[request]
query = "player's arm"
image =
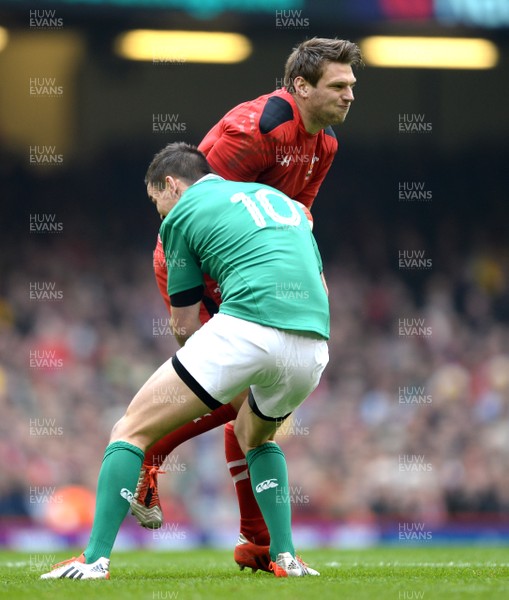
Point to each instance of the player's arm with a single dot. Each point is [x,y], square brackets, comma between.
[161,272]
[185,283]
[324,283]
[211,296]
[185,320]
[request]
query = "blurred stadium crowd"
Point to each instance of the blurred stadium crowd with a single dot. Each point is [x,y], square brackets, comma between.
[411,419]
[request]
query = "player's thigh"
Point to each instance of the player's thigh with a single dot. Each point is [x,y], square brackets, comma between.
[239,400]
[298,361]
[163,404]
[224,357]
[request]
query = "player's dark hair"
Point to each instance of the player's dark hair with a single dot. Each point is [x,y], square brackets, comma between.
[309,58]
[177,159]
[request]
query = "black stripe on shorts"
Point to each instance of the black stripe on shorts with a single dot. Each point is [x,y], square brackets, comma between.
[256,410]
[193,385]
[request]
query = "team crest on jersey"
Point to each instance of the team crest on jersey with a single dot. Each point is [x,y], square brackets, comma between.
[310,170]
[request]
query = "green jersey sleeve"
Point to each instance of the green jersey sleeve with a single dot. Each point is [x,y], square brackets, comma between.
[184,272]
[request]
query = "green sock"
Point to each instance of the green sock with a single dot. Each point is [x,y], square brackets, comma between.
[269,480]
[117,482]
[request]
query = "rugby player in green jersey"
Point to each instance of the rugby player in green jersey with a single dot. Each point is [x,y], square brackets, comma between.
[257,244]
[283,139]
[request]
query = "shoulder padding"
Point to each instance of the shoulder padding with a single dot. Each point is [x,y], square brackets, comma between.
[276,111]
[329,131]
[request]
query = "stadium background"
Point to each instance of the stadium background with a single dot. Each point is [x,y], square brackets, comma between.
[409,430]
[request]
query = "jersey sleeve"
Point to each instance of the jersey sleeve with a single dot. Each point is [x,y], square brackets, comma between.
[235,148]
[211,295]
[185,278]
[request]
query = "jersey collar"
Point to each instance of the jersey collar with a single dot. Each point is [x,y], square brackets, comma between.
[208,177]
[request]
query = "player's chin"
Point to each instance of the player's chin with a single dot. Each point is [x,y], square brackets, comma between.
[339,118]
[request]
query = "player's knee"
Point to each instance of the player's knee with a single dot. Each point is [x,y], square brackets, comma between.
[118,431]
[239,429]
[114,430]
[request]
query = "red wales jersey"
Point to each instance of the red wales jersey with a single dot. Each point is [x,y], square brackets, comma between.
[261,140]
[265,140]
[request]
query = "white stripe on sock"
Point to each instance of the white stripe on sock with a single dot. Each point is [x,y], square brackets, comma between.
[236,463]
[240,476]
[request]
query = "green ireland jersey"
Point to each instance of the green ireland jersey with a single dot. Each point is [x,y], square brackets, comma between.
[257,244]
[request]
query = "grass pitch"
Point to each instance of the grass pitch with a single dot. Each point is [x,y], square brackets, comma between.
[383,573]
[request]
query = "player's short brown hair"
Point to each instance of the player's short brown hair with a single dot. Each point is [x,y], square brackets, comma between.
[177,159]
[308,59]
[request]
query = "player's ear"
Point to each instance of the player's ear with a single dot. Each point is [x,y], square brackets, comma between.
[301,86]
[171,183]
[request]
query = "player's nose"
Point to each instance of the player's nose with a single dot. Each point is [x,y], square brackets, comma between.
[349,97]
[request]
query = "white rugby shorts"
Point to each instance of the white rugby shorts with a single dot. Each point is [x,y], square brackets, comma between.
[228,355]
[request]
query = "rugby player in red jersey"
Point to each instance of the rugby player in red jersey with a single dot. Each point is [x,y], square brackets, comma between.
[283,139]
